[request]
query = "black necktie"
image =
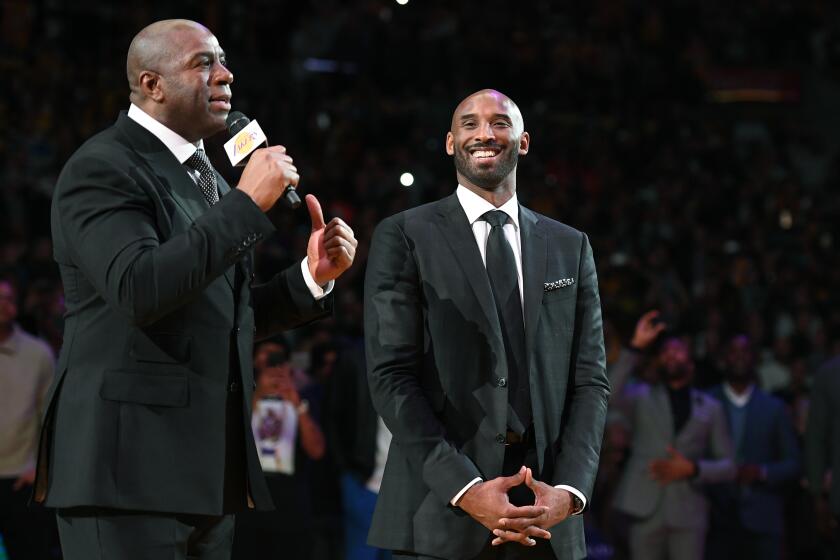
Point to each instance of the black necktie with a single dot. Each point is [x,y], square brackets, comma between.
[206,176]
[504,280]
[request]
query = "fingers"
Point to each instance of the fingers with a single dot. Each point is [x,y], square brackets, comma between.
[513,480]
[503,536]
[531,512]
[315,212]
[528,525]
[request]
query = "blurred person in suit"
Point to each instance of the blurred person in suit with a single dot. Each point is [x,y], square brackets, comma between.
[145,450]
[485,357]
[26,371]
[747,514]
[679,443]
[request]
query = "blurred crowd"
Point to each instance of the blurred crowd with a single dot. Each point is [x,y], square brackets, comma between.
[693,141]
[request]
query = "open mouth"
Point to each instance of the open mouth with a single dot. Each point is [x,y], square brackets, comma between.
[485,153]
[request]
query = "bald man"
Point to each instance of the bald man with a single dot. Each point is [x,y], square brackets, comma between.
[486,361]
[145,452]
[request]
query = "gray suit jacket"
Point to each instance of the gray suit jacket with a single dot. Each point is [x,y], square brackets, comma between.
[437,372]
[703,439]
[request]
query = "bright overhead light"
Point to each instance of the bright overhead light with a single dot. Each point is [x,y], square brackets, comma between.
[406,179]
[402,2]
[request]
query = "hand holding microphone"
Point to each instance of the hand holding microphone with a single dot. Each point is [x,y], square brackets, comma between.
[268,175]
[266,167]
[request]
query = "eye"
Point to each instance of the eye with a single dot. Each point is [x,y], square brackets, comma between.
[469,124]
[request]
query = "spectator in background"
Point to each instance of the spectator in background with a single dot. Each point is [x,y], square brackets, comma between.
[822,451]
[288,439]
[679,442]
[26,371]
[747,513]
[358,441]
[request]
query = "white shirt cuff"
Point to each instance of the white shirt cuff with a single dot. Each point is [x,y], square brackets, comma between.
[318,292]
[463,491]
[577,493]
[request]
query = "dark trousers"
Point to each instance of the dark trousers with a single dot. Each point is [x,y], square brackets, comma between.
[26,532]
[108,534]
[515,456]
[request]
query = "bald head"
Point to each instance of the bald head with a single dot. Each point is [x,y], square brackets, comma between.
[466,105]
[153,47]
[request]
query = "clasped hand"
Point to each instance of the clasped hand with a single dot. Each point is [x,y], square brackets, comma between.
[488,503]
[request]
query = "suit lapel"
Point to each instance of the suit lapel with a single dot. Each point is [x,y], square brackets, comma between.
[458,234]
[534,257]
[183,190]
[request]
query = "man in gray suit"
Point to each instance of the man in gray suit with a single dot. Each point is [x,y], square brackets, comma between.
[485,356]
[680,442]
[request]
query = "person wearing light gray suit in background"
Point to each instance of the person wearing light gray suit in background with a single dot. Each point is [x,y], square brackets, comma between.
[679,443]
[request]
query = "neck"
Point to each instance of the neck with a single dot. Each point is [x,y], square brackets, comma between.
[496,195]
[739,386]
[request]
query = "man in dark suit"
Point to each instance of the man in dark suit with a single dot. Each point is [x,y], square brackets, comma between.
[486,360]
[747,514]
[145,451]
[822,448]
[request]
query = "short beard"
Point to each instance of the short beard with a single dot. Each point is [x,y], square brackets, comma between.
[490,179]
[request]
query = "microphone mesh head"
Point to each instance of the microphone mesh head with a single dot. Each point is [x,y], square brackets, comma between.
[236,121]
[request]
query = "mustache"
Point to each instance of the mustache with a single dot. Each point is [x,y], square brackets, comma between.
[479,145]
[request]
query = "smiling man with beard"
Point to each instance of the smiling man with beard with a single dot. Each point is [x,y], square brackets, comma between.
[485,360]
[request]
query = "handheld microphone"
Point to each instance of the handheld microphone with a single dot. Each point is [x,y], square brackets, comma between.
[247,136]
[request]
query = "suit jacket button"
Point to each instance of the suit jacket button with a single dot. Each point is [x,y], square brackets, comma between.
[234,387]
[502,382]
[500,438]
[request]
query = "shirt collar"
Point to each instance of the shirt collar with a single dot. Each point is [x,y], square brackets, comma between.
[10,345]
[738,400]
[475,206]
[181,148]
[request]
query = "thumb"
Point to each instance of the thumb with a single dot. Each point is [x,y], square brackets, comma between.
[529,479]
[515,479]
[315,212]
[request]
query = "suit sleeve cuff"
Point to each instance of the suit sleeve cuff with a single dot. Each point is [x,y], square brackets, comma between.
[318,292]
[577,493]
[454,501]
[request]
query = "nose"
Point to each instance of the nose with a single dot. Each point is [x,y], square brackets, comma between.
[484,132]
[222,75]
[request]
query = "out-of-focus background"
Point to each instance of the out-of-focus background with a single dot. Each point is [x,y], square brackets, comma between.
[695,142]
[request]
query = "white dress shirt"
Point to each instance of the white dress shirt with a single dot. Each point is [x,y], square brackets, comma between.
[475,207]
[183,149]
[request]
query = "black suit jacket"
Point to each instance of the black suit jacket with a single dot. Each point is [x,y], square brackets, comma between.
[160,320]
[822,437]
[437,372]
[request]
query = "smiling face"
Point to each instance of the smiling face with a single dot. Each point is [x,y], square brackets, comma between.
[178,75]
[487,137]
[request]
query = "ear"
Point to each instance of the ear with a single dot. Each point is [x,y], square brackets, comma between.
[524,143]
[151,86]
[450,143]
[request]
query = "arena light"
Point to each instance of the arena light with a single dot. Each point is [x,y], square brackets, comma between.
[402,2]
[406,179]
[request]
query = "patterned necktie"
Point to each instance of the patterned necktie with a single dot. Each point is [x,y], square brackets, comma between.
[206,176]
[504,280]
